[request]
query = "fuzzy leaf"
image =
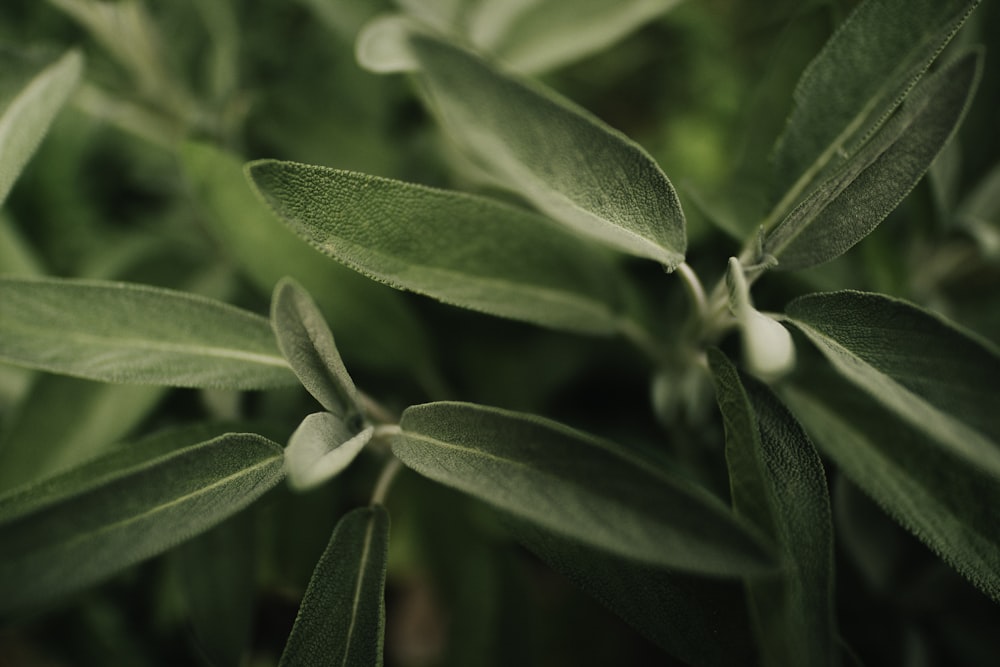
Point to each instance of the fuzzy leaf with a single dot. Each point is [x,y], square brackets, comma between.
[307,343]
[321,447]
[862,74]
[565,161]
[342,617]
[121,332]
[577,486]
[28,116]
[778,483]
[848,206]
[53,542]
[468,251]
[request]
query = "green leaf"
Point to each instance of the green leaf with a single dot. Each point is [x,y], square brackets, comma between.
[862,74]
[321,447]
[307,343]
[564,160]
[55,540]
[372,322]
[28,116]
[467,251]
[849,205]
[342,617]
[121,332]
[929,372]
[577,486]
[778,483]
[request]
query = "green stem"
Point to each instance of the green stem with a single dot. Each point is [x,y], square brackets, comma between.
[384,483]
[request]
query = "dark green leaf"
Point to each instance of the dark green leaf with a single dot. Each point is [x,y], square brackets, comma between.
[848,206]
[321,447]
[578,486]
[778,483]
[56,540]
[120,332]
[464,250]
[342,617]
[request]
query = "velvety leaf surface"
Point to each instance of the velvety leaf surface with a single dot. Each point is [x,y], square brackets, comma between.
[778,483]
[848,206]
[577,486]
[372,322]
[564,160]
[28,116]
[120,332]
[321,447]
[862,74]
[464,250]
[342,617]
[307,343]
[61,536]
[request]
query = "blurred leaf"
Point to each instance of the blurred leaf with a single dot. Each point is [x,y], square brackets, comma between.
[64,535]
[308,346]
[564,160]
[848,206]
[778,483]
[979,214]
[121,332]
[17,257]
[372,323]
[862,74]
[342,617]
[28,116]
[464,250]
[321,447]
[580,487]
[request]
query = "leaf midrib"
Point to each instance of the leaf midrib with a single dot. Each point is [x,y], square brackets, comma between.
[356,601]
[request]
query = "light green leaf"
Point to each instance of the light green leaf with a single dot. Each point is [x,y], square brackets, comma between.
[577,486]
[565,161]
[929,372]
[342,617]
[861,75]
[468,251]
[307,343]
[28,117]
[778,483]
[52,543]
[373,323]
[948,503]
[848,206]
[121,332]
[321,447]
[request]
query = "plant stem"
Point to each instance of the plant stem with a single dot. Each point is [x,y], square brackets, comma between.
[384,483]
[694,288]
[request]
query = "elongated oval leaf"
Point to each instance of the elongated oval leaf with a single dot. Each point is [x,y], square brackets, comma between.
[28,116]
[464,250]
[577,486]
[120,332]
[861,75]
[321,447]
[83,537]
[342,617]
[848,206]
[932,374]
[564,160]
[307,343]
[777,481]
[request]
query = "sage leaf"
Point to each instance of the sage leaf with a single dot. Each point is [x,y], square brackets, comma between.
[916,364]
[943,499]
[321,447]
[121,332]
[577,486]
[565,161]
[342,617]
[859,77]
[307,343]
[30,114]
[53,547]
[778,483]
[849,205]
[467,251]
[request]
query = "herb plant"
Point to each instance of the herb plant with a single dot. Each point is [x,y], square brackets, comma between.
[718,410]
